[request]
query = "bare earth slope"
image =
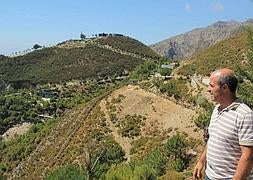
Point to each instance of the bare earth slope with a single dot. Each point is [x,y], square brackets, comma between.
[160,113]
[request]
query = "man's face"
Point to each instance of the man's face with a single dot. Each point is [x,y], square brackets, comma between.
[214,88]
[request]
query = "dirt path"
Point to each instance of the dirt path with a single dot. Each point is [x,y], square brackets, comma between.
[123,141]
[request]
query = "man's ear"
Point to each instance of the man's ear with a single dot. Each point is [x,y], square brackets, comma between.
[225,86]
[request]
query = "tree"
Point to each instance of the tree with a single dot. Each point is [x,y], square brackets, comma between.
[90,165]
[165,71]
[82,36]
[36,46]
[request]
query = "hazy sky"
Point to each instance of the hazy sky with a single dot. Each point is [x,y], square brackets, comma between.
[24,23]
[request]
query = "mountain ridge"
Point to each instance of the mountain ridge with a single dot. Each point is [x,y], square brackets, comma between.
[194,41]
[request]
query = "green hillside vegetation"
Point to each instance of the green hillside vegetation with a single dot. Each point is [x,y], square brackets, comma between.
[26,105]
[90,61]
[22,106]
[56,65]
[16,150]
[132,45]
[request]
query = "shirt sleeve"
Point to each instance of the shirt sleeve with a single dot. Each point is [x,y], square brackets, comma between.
[245,130]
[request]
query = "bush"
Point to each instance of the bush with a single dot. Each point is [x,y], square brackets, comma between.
[246,94]
[176,145]
[130,126]
[144,70]
[179,164]
[203,120]
[133,172]
[136,145]
[68,172]
[174,87]
[156,160]
[165,71]
[204,103]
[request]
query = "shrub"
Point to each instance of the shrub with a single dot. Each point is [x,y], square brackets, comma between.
[179,164]
[176,145]
[155,160]
[130,126]
[133,172]
[68,172]
[144,70]
[203,120]
[174,87]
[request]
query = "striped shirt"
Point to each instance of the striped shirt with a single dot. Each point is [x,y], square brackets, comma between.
[228,129]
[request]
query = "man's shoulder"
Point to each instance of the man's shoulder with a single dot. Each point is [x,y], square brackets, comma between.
[244,108]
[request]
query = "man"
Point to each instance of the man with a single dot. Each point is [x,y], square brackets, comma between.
[229,150]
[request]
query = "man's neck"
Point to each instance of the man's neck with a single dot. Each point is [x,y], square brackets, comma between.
[227,102]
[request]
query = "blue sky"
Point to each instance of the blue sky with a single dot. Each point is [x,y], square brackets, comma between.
[48,22]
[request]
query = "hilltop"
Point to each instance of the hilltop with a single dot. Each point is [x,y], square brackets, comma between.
[94,58]
[192,42]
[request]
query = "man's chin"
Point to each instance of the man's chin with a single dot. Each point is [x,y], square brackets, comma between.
[214,100]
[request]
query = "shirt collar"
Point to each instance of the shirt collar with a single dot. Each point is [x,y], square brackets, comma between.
[232,106]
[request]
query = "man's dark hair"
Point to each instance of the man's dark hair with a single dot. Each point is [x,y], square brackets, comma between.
[230,80]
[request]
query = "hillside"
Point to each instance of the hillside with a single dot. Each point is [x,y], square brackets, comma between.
[103,121]
[76,59]
[149,126]
[231,52]
[235,52]
[190,43]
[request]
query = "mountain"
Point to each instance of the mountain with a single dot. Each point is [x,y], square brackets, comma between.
[235,52]
[231,52]
[189,43]
[101,57]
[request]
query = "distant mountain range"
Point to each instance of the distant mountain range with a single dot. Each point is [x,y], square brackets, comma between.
[192,42]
